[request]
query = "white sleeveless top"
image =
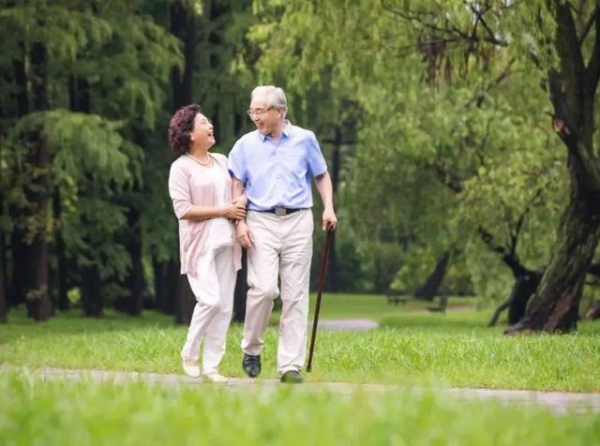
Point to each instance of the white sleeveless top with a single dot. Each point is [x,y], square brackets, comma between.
[220,230]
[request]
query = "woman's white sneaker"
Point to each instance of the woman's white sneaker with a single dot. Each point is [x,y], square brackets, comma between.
[191,370]
[215,377]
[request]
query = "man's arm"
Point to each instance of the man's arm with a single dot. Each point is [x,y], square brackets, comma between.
[325,188]
[237,190]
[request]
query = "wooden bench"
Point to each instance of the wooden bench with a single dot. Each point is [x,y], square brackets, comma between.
[396,299]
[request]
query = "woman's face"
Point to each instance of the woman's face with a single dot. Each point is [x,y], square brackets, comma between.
[203,135]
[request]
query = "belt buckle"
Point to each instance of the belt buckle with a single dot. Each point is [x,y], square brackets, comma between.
[280,211]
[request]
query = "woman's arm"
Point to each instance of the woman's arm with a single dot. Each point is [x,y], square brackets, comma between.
[179,190]
[199,213]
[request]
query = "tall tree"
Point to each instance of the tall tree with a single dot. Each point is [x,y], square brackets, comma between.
[183,25]
[21,277]
[3,275]
[38,299]
[572,85]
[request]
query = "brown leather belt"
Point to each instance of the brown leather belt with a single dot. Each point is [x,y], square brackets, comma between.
[281,211]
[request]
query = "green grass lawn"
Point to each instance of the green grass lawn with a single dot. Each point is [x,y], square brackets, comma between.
[412,347]
[92,413]
[340,306]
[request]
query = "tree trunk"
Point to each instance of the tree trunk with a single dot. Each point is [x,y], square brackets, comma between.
[331,282]
[184,306]
[183,27]
[21,279]
[164,302]
[159,272]
[554,308]
[135,279]
[91,283]
[3,277]
[572,86]
[173,278]
[241,290]
[22,92]
[503,306]
[61,254]
[38,299]
[134,302]
[91,296]
[525,286]
[430,288]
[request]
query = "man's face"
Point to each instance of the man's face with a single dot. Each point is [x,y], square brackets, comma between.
[266,118]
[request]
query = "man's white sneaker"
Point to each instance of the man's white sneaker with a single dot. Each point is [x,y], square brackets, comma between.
[191,370]
[215,377]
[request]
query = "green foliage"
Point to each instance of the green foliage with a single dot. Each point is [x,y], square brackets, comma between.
[452,133]
[82,145]
[109,70]
[415,269]
[381,262]
[350,274]
[89,236]
[64,29]
[441,137]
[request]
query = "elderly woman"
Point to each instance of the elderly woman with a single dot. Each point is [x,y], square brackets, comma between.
[200,187]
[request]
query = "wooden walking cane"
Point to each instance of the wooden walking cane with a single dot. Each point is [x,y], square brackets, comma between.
[319,292]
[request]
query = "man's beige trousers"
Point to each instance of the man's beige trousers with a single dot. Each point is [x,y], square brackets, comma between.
[282,247]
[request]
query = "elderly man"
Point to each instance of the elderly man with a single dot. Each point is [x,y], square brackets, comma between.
[274,165]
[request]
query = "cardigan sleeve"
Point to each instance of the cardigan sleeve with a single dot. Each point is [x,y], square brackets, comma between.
[179,190]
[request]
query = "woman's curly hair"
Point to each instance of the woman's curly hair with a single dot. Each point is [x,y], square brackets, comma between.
[180,127]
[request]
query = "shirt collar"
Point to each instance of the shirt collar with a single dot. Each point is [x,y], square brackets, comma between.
[287,131]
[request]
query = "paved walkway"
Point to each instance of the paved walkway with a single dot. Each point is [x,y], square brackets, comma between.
[346,325]
[558,402]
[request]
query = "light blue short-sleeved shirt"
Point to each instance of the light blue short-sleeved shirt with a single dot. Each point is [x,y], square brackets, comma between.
[278,174]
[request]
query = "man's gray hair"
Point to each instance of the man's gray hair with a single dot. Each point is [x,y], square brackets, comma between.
[274,96]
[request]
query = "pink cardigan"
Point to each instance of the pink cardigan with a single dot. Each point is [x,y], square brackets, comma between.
[189,186]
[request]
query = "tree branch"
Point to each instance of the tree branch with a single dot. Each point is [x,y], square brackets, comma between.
[427,20]
[479,15]
[515,235]
[448,179]
[479,97]
[488,239]
[509,257]
[588,26]
[593,69]
[565,85]
[594,270]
